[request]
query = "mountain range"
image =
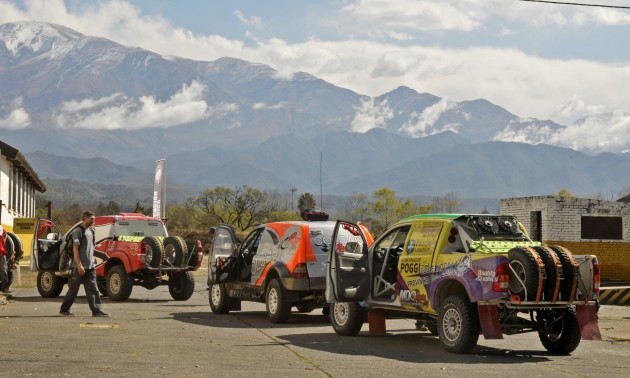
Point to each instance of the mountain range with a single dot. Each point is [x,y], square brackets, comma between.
[71,101]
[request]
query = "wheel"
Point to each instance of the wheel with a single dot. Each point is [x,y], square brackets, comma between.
[347,318]
[568,271]
[119,284]
[10,247]
[17,247]
[49,285]
[526,269]
[562,332]
[219,303]
[175,251]
[154,251]
[181,285]
[458,325]
[101,285]
[278,309]
[548,257]
[305,309]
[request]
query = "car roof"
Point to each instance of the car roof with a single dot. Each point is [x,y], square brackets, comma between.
[445,216]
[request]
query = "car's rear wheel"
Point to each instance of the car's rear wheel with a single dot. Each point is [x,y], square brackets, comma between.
[49,285]
[181,285]
[278,308]
[347,318]
[458,325]
[101,285]
[119,284]
[561,333]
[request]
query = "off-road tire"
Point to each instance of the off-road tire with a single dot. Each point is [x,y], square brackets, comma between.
[17,245]
[547,256]
[563,336]
[119,284]
[181,285]
[10,247]
[525,267]
[49,285]
[154,251]
[347,318]
[219,301]
[458,325]
[567,271]
[278,308]
[101,285]
[175,251]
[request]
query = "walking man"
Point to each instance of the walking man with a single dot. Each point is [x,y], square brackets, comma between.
[83,239]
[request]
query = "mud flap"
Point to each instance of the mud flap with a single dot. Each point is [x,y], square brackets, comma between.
[489,319]
[376,321]
[587,320]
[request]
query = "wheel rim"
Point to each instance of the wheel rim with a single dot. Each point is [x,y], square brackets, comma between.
[555,330]
[169,253]
[519,270]
[272,300]
[115,283]
[46,281]
[148,251]
[216,294]
[452,324]
[340,313]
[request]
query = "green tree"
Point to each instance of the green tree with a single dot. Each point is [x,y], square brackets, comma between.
[139,209]
[565,193]
[306,202]
[449,203]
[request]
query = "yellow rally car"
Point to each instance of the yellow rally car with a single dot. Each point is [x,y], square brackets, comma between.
[459,276]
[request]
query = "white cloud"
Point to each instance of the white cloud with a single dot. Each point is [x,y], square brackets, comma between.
[424,124]
[602,133]
[526,131]
[17,117]
[117,111]
[370,115]
[263,106]
[575,109]
[249,21]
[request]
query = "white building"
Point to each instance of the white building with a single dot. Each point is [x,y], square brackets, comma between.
[18,184]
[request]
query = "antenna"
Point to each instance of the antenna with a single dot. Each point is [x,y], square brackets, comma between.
[321,202]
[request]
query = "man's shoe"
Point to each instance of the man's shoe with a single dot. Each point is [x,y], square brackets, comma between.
[66,313]
[101,314]
[7,291]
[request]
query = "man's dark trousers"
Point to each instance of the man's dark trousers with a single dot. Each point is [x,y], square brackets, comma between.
[91,292]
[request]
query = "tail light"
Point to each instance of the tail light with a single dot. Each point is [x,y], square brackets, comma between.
[596,278]
[141,257]
[502,278]
[300,271]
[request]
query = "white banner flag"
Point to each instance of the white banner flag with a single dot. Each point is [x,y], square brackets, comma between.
[159,189]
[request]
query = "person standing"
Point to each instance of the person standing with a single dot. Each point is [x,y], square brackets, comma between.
[83,239]
[4,268]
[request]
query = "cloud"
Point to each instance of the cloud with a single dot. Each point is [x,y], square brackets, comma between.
[601,133]
[527,131]
[118,112]
[574,109]
[264,106]
[16,118]
[249,21]
[371,114]
[425,123]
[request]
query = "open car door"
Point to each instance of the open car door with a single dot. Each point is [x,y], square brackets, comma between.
[222,264]
[348,277]
[46,249]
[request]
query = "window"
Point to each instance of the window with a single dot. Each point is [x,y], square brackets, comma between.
[602,228]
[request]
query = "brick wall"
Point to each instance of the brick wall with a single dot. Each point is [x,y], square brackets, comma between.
[614,257]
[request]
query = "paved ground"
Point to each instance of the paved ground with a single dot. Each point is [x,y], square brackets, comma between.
[153,335]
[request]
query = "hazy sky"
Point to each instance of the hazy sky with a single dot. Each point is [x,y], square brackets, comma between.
[548,61]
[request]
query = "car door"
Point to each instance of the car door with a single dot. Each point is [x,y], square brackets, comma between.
[347,277]
[46,246]
[222,264]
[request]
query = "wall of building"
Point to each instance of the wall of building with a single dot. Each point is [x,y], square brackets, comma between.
[562,225]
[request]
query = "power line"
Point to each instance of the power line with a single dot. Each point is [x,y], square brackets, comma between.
[578,4]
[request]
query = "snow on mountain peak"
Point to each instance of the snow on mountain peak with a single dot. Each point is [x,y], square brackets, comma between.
[34,36]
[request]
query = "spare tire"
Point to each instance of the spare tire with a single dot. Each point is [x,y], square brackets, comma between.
[17,247]
[10,247]
[525,274]
[569,271]
[175,251]
[553,270]
[154,251]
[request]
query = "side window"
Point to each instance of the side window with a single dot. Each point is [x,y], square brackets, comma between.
[250,245]
[392,243]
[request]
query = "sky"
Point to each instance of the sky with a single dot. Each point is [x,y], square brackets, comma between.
[540,60]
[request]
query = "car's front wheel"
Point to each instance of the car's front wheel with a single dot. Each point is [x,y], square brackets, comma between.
[219,299]
[347,318]
[49,285]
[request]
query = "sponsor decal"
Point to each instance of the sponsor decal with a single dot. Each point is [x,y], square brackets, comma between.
[486,276]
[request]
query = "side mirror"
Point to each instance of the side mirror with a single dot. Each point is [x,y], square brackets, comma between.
[52,236]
